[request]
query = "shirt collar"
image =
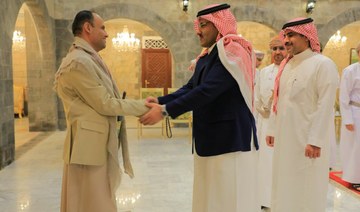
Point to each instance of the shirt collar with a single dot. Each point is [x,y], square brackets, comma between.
[84,45]
[305,54]
[211,48]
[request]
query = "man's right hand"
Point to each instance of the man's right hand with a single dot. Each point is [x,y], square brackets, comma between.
[270,141]
[350,127]
[153,116]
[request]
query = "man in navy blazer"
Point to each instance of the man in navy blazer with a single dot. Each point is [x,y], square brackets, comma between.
[222,121]
[220,96]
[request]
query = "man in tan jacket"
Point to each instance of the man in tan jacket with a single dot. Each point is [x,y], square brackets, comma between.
[92,104]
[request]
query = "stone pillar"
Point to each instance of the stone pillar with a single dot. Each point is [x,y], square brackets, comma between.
[184,48]
[64,39]
[40,52]
[7,138]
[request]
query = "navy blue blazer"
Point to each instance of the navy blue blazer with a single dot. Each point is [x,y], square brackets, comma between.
[222,122]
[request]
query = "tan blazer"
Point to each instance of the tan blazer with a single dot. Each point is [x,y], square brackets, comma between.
[91,107]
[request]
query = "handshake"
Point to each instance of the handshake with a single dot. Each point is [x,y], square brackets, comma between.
[155,114]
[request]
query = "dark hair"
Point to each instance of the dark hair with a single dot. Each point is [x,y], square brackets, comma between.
[79,20]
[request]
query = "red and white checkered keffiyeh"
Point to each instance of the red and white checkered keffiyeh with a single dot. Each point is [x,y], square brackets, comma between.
[237,51]
[310,32]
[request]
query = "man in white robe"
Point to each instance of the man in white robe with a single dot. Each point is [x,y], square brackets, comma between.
[299,129]
[263,99]
[259,58]
[350,131]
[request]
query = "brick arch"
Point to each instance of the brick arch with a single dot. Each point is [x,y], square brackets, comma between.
[260,15]
[41,67]
[182,48]
[347,17]
[141,14]
[7,24]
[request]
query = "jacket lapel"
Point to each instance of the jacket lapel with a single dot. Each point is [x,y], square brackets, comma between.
[202,66]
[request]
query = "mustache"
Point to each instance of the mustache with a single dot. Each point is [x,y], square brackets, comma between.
[287,44]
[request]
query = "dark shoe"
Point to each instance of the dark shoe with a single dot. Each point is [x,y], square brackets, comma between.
[356,187]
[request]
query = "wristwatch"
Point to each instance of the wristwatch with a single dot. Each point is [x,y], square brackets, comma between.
[164,113]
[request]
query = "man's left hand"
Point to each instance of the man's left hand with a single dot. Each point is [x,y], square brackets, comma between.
[312,151]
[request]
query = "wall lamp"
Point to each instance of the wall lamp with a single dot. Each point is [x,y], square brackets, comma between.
[185,5]
[310,6]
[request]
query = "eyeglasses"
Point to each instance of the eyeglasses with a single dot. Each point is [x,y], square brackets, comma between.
[281,48]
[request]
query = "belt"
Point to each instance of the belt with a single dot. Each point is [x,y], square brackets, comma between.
[357,104]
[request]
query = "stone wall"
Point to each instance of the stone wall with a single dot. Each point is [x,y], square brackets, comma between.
[325,10]
[43,110]
[40,63]
[64,39]
[8,14]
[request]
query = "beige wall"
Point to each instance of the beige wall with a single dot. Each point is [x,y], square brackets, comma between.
[125,66]
[19,54]
[19,67]
[259,35]
[341,53]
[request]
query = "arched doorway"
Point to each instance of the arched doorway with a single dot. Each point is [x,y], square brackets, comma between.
[24,37]
[259,35]
[126,66]
[19,63]
[339,51]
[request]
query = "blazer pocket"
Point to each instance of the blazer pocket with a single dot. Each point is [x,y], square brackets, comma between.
[93,126]
[90,143]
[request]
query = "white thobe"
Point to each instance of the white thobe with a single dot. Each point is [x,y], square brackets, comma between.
[350,140]
[263,90]
[333,147]
[304,115]
[226,183]
[256,79]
